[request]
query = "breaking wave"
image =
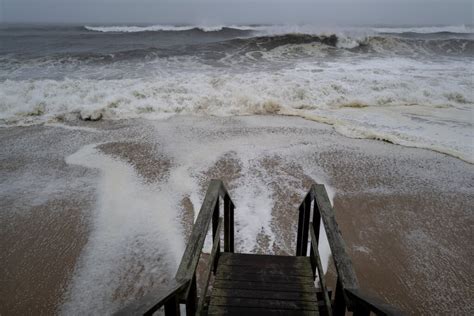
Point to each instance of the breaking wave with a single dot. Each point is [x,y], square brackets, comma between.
[403,101]
[249,51]
[410,90]
[415,47]
[165,28]
[460,29]
[280,29]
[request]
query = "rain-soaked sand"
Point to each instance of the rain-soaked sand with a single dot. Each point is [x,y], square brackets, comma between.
[93,215]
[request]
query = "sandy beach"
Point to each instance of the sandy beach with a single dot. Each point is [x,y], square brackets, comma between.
[95,214]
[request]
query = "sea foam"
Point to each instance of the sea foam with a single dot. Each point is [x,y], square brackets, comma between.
[409,102]
[409,91]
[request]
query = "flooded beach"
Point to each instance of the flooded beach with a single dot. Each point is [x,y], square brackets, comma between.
[94,214]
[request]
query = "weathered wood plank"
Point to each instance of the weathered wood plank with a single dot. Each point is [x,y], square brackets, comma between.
[259,265]
[259,303]
[302,270]
[250,259]
[285,287]
[238,311]
[268,278]
[260,294]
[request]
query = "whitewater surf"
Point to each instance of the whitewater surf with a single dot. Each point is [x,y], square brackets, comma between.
[411,86]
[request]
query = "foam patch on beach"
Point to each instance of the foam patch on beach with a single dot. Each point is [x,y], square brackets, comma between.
[135,237]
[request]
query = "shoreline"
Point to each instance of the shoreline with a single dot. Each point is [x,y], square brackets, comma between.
[266,159]
[353,132]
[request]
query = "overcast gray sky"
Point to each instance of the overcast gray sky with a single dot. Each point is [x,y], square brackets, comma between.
[211,12]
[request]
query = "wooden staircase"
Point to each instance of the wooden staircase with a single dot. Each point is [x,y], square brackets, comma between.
[247,284]
[250,284]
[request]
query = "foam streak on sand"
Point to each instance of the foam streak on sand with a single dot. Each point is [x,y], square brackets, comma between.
[132,220]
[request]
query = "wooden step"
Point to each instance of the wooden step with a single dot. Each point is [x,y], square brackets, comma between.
[263,284]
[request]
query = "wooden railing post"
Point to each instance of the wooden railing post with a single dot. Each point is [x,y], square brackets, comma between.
[299,235]
[231,226]
[172,307]
[322,282]
[191,297]
[228,224]
[307,213]
[215,222]
[361,311]
[316,223]
[215,249]
[303,226]
[215,219]
[339,308]
[316,220]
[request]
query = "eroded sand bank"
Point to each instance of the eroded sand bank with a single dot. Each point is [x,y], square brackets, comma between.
[95,215]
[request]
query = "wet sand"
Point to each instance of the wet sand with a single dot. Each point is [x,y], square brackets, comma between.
[405,213]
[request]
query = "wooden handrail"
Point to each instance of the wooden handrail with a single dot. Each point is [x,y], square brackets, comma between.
[366,303]
[153,301]
[212,257]
[322,282]
[193,250]
[347,289]
[184,284]
[342,261]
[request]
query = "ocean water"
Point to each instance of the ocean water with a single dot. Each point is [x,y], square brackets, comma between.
[412,86]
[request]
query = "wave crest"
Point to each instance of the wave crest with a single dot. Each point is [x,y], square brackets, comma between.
[165,28]
[459,29]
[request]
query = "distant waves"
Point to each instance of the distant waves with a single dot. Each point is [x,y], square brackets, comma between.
[166,28]
[282,29]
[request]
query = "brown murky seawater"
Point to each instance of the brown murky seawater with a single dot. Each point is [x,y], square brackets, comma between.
[405,214]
